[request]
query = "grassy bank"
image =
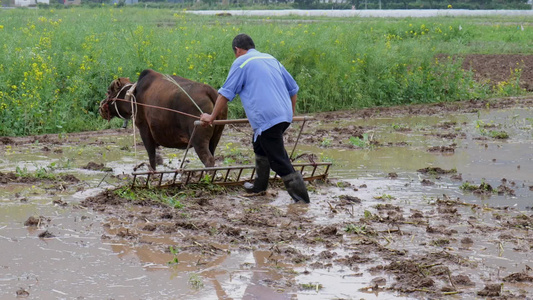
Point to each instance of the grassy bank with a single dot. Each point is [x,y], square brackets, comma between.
[56,64]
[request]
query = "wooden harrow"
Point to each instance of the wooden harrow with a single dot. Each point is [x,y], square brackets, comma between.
[226,176]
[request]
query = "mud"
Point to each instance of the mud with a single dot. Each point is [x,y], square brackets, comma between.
[421,203]
[494,69]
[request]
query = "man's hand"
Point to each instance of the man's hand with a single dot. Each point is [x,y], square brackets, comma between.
[220,104]
[206,119]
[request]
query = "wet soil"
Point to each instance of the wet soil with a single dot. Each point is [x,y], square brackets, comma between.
[494,69]
[388,243]
[215,223]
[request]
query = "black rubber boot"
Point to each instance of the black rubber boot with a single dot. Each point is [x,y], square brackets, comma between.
[262,173]
[295,185]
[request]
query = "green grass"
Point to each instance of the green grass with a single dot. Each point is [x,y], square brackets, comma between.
[356,229]
[196,281]
[39,173]
[311,286]
[167,197]
[56,64]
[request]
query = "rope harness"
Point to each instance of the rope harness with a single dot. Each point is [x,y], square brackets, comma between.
[129,94]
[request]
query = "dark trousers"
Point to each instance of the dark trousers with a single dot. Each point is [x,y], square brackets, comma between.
[270,144]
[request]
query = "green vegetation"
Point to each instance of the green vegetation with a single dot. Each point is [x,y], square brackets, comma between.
[164,196]
[196,281]
[501,135]
[360,142]
[56,64]
[40,173]
[368,214]
[483,187]
[495,134]
[326,142]
[400,127]
[356,229]
[385,197]
[311,286]
[174,252]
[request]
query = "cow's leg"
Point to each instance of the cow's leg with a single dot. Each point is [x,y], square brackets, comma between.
[202,150]
[150,146]
[200,143]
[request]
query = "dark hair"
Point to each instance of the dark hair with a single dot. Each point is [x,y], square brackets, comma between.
[242,41]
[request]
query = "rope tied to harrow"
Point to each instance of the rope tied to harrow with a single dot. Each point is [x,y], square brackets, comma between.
[129,96]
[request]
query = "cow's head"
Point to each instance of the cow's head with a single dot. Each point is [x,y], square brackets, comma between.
[116,90]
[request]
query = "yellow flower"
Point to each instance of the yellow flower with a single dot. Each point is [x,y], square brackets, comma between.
[449,6]
[1,26]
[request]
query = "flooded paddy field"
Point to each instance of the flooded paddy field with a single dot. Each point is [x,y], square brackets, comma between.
[428,201]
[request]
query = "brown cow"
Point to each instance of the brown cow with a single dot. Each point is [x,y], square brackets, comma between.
[160,127]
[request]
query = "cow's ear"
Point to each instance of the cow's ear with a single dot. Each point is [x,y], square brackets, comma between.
[117,83]
[124,81]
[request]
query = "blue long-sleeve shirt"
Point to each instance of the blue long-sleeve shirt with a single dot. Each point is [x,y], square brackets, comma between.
[265,88]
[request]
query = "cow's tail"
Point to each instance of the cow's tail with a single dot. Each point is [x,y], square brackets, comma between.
[217,131]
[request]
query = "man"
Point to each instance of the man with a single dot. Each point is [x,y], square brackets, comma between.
[268,94]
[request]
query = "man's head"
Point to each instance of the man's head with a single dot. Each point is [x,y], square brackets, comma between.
[242,43]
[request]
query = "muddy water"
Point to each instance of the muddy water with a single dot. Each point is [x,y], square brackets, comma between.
[476,157]
[80,259]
